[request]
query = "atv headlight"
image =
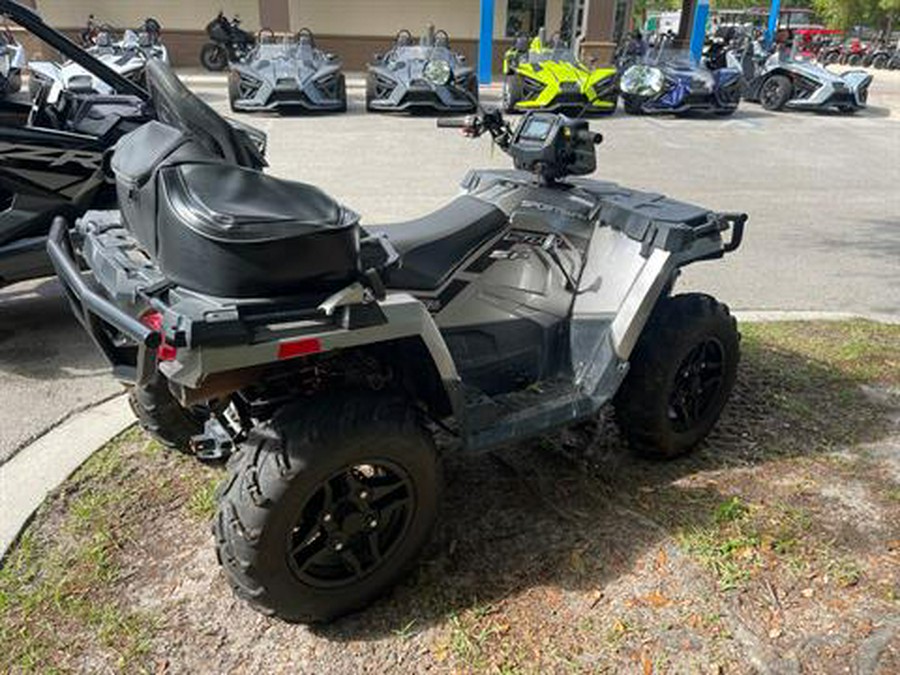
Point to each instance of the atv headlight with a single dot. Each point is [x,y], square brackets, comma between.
[642,80]
[437,72]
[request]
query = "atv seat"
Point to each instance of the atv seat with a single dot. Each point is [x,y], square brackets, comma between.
[432,247]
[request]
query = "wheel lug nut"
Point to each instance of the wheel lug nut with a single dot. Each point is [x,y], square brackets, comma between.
[373,523]
[326,518]
[363,495]
[338,546]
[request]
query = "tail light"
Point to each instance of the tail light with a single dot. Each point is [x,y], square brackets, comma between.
[154,321]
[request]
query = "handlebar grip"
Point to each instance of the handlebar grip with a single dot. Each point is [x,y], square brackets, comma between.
[453,122]
[590,136]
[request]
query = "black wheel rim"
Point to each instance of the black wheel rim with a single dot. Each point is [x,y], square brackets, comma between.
[770,93]
[699,379]
[351,524]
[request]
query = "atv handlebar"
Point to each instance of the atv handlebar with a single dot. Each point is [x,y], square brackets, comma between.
[590,136]
[455,122]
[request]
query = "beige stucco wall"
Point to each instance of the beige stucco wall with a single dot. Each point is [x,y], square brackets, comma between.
[460,18]
[172,14]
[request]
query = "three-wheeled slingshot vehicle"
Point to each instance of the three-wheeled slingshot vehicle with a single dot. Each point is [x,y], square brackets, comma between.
[323,353]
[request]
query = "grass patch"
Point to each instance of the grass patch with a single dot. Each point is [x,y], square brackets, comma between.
[860,350]
[63,594]
[58,586]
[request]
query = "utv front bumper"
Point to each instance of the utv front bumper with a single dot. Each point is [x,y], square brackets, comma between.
[424,96]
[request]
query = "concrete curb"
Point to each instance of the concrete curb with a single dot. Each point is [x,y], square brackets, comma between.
[38,468]
[759,316]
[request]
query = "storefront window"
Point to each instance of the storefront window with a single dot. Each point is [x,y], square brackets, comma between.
[524,17]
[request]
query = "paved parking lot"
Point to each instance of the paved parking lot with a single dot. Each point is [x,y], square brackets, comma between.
[821,190]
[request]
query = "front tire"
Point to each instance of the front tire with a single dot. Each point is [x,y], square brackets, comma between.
[234,90]
[682,372]
[633,105]
[162,417]
[342,93]
[327,505]
[512,93]
[214,57]
[775,92]
[370,92]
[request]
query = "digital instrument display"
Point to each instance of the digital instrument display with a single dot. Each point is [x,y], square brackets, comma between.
[536,129]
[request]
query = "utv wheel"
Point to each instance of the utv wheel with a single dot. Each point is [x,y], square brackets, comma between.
[213,57]
[161,416]
[854,60]
[370,92]
[512,93]
[775,92]
[880,62]
[234,90]
[632,106]
[342,93]
[473,92]
[832,57]
[14,84]
[682,372]
[327,505]
[847,109]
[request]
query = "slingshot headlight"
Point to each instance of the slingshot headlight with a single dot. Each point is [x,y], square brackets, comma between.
[642,80]
[437,72]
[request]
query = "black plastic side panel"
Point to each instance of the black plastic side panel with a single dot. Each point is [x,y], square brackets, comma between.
[501,357]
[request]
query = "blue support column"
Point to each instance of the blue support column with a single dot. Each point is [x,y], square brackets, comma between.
[698,30]
[486,42]
[774,11]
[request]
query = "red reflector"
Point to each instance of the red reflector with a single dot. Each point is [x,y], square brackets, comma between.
[154,321]
[288,350]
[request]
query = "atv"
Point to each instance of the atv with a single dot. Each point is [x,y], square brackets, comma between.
[324,355]
[546,75]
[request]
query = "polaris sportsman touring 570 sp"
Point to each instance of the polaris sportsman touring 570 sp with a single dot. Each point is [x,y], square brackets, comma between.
[257,315]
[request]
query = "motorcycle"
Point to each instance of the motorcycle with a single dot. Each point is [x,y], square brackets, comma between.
[229,43]
[331,354]
[894,62]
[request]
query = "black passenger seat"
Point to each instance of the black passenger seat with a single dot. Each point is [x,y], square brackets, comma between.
[433,246]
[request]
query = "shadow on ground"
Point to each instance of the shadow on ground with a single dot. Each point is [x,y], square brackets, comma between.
[513,519]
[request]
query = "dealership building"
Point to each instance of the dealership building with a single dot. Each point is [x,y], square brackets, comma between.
[356,29]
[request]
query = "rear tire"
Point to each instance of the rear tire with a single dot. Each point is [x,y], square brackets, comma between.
[880,61]
[683,369]
[854,60]
[161,416]
[213,57]
[327,505]
[775,92]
